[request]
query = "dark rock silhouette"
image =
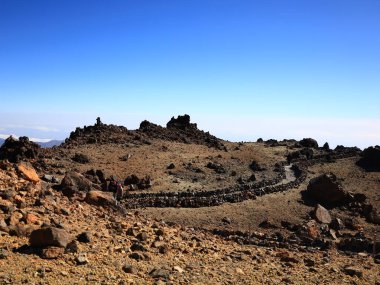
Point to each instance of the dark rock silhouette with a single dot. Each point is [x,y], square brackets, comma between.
[370,160]
[309,142]
[16,150]
[326,189]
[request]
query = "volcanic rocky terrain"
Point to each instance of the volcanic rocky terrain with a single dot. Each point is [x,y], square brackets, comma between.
[194,209]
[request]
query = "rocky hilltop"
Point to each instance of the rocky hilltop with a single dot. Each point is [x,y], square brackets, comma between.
[176,205]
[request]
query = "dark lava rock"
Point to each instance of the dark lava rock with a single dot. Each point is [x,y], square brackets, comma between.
[272,142]
[370,160]
[337,224]
[373,216]
[49,237]
[267,224]
[16,150]
[353,271]
[182,122]
[99,133]
[255,166]
[358,243]
[137,256]
[309,142]
[326,146]
[128,268]
[81,158]
[133,181]
[303,154]
[326,189]
[171,166]
[84,237]
[181,130]
[74,183]
[218,168]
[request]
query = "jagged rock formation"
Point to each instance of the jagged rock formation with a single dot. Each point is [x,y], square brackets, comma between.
[16,150]
[181,130]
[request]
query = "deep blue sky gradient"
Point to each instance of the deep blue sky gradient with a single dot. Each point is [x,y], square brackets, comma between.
[303,59]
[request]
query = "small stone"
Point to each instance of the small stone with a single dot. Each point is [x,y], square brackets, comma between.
[239,271]
[142,236]
[31,218]
[72,247]
[128,268]
[171,166]
[337,224]
[178,269]
[309,262]
[132,232]
[312,229]
[163,249]
[160,232]
[226,220]
[15,218]
[82,258]
[160,273]
[322,215]
[353,271]
[137,256]
[65,211]
[3,253]
[84,237]
[158,244]
[137,247]
[52,252]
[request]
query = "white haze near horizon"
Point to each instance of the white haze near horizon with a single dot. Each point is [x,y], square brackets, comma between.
[360,132]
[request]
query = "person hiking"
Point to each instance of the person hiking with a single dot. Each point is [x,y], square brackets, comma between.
[119,191]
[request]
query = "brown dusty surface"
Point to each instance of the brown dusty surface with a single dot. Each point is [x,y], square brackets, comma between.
[191,256]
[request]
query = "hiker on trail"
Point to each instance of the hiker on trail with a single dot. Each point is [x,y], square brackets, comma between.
[119,191]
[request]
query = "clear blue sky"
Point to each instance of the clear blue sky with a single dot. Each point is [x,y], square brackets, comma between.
[63,63]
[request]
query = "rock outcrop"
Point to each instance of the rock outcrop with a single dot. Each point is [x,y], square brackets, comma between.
[181,130]
[17,150]
[370,159]
[309,142]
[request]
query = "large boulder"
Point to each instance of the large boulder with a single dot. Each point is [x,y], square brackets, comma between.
[74,183]
[309,142]
[326,189]
[370,160]
[100,198]
[50,237]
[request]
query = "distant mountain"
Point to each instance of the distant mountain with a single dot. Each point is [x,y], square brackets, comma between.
[50,143]
[42,144]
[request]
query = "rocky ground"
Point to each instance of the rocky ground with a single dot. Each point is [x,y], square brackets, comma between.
[264,223]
